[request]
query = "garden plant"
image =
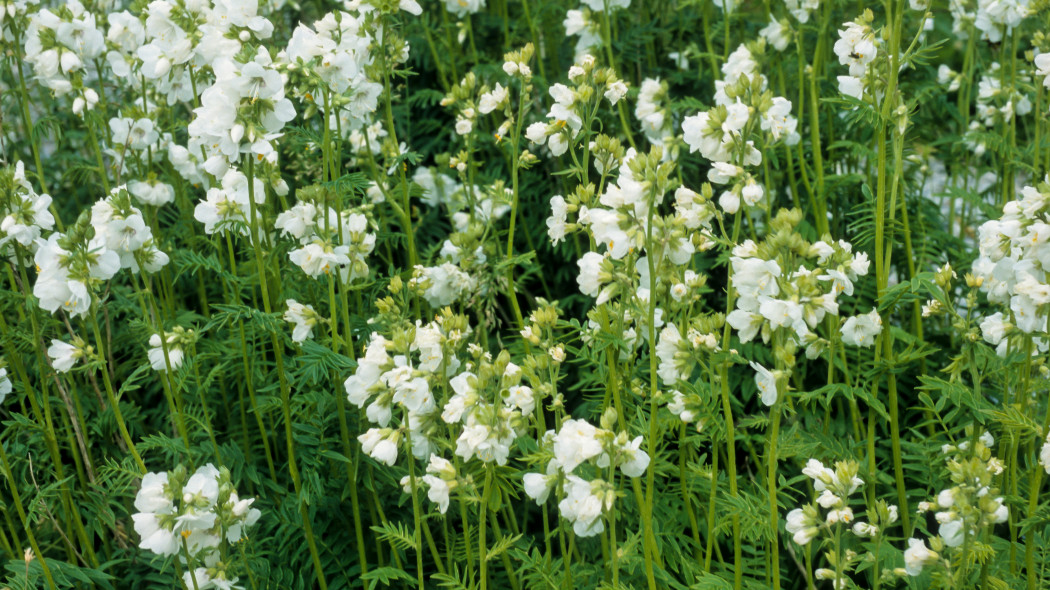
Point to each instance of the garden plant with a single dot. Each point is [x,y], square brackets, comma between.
[525,294]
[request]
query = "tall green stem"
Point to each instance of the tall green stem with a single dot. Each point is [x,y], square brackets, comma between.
[278,353]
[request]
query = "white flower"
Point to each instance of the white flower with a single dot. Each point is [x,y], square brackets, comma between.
[437,491]
[916,556]
[766,381]
[556,223]
[581,507]
[856,48]
[851,86]
[575,443]
[801,527]
[1044,454]
[637,460]
[861,330]
[666,348]
[303,316]
[156,353]
[319,258]
[537,486]
[492,100]
[369,370]
[615,91]
[5,385]
[776,34]
[156,538]
[63,356]
[747,324]
[411,6]
[521,397]
[590,277]
[447,284]
[378,444]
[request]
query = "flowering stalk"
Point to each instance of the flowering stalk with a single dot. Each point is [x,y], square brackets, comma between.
[884,348]
[406,205]
[278,350]
[483,510]
[344,432]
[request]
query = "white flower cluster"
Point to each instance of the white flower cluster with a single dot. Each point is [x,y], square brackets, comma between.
[62,46]
[967,508]
[440,480]
[857,48]
[120,226]
[488,429]
[399,372]
[726,134]
[242,112]
[583,501]
[391,380]
[335,56]
[25,213]
[195,517]
[995,18]
[835,487]
[621,226]
[69,268]
[655,116]
[566,115]
[995,105]
[771,300]
[443,284]
[226,208]
[338,242]
[1012,268]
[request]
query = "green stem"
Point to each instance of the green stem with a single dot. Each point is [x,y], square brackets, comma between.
[278,352]
[774,515]
[16,497]
[484,510]
[111,396]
